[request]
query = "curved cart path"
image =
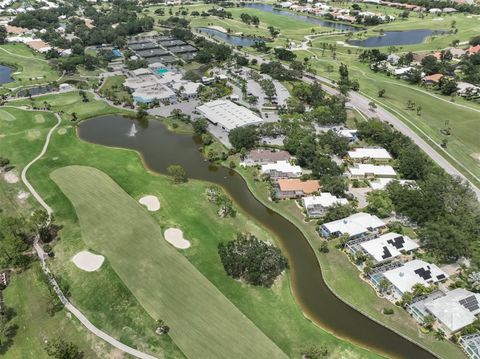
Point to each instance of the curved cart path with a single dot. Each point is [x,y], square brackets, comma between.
[41,254]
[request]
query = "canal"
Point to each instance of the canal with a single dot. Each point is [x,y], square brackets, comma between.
[160,148]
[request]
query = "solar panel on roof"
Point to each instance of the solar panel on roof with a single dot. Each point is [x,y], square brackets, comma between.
[441,276]
[425,273]
[386,253]
[470,303]
[397,242]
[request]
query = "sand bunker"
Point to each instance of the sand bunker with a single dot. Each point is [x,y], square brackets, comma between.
[33,134]
[218,28]
[6,116]
[87,261]
[39,118]
[62,131]
[151,202]
[22,195]
[174,236]
[11,177]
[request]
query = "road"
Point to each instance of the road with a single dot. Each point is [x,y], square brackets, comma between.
[42,256]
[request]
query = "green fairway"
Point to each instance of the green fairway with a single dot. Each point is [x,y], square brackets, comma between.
[30,67]
[204,323]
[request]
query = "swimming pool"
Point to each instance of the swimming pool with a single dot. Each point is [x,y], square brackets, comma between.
[161,70]
[117,53]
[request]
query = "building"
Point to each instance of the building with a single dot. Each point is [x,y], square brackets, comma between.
[262,157]
[351,135]
[281,169]
[388,246]
[228,115]
[473,49]
[382,183]
[157,92]
[356,226]
[317,205]
[471,345]
[457,309]
[404,278]
[365,171]
[295,188]
[457,53]
[375,154]
[432,79]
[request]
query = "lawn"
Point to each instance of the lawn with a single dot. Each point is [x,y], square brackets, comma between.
[30,67]
[113,89]
[343,278]
[204,323]
[105,299]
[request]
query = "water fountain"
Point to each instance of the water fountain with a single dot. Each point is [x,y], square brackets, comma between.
[133,131]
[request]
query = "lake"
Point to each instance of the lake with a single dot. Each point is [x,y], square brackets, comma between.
[304,18]
[231,39]
[160,148]
[396,38]
[6,74]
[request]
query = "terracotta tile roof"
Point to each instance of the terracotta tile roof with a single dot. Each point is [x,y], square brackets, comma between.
[473,49]
[307,187]
[37,44]
[15,29]
[433,78]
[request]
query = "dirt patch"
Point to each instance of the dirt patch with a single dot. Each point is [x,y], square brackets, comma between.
[11,177]
[87,261]
[22,195]
[33,134]
[151,202]
[39,118]
[174,236]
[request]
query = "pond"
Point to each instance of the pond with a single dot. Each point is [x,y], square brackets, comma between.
[304,18]
[160,148]
[231,39]
[397,38]
[6,74]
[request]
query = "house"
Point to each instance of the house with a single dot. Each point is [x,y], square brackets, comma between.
[405,277]
[466,89]
[388,246]
[317,205]
[356,226]
[228,115]
[393,59]
[295,188]
[432,79]
[456,310]
[472,50]
[154,93]
[375,154]
[457,53]
[262,157]
[435,11]
[351,135]
[401,71]
[381,183]
[281,169]
[365,171]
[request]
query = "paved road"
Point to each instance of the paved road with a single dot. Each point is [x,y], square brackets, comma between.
[42,256]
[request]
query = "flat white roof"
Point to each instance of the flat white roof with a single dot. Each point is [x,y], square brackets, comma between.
[456,309]
[369,152]
[282,166]
[381,183]
[388,246]
[414,272]
[362,169]
[228,114]
[324,199]
[141,71]
[355,224]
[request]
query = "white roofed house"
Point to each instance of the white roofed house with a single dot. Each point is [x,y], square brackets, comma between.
[365,171]
[317,205]
[404,278]
[281,169]
[228,115]
[388,246]
[374,154]
[357,225]
[456,310]
[263,157]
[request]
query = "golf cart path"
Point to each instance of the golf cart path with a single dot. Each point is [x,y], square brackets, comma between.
[41,254]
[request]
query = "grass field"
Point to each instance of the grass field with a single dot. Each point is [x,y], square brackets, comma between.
[343,278]
[102,295]
[30,67]
[113,89]
[204,323]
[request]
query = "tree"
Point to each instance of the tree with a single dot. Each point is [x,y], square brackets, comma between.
[379,204]
[200,126]
[178,173]
[381,92]
[61,349]
[338,211]
[3,35]
[429,321]
[407,298]
[141,114]
[284,54]
[315,352]
[243,137]
[323,247]
[447,86]
[162,328]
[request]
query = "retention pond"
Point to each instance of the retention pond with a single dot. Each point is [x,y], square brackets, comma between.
[160,148]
